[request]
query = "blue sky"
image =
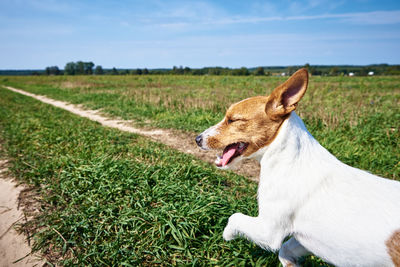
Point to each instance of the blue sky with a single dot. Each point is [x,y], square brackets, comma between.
[157,34]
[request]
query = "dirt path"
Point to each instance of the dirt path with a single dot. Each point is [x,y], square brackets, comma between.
[178,140]
[14,248]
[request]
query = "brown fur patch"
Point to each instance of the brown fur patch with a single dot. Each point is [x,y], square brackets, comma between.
[246,122]
[393,247]
[257,120]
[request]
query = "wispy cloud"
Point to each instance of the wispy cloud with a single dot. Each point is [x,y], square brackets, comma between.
[363,18]
[374,17]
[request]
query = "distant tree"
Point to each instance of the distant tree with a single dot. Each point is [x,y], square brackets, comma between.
[213,71]
[53,70]
[80,68]
[176,70]
[315,71]
[114,71]
[198,72]
[259,71]
[364,71]
[309,68]
[145,71]
[187,70]
[235,72]
[291,70]
[334,71]
[157,71]
[243,71]
[88,67]
[139,72]
[70,68]
[99,70]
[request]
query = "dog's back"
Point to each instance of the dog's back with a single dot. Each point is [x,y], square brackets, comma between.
[356,213]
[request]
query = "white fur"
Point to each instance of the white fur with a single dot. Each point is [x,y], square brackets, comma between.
[207,133]
[342,214]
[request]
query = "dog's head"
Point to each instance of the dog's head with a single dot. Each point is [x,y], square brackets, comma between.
[253,123]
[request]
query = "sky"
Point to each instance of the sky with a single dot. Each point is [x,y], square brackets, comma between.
[151,34]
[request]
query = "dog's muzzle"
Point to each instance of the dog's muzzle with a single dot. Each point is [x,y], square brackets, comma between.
[199,140]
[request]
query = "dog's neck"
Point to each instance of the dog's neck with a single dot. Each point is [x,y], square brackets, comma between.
[292,166]
[293,150]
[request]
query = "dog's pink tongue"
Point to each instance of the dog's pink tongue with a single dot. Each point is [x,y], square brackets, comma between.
[227,155]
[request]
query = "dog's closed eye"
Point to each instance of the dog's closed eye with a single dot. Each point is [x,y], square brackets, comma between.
[232,120]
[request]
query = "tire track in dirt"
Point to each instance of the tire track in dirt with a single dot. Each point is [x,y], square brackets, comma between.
[178,140]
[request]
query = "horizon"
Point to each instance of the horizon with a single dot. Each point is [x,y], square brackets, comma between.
[197,34]
[248,67]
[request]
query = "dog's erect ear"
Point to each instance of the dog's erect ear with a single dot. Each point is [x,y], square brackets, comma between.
[285,97]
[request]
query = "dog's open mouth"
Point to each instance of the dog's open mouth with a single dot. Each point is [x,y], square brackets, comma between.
[230,152]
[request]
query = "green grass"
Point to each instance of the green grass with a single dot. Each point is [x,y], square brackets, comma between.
[356,118]
[120,200]
[191,102]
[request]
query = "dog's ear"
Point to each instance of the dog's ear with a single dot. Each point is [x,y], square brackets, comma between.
[285,97]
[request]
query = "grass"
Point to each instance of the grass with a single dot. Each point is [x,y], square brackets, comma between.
[112,198]
[117,199]
[191,103]
[356,118]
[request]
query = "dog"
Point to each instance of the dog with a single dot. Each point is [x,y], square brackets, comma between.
[321,206]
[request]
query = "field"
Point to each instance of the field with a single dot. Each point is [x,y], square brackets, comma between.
[112,198]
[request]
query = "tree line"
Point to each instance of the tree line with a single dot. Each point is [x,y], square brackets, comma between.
[89,68]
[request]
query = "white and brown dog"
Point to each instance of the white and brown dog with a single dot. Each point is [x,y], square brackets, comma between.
[344,215]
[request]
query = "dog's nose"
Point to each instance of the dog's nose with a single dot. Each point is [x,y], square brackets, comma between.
[199,140]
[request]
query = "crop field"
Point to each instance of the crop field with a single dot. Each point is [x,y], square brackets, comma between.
[117,199]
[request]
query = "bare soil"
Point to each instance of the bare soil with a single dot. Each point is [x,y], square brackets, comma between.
[15,247]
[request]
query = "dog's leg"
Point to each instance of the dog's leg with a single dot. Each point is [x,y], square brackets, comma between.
[290,252]
[256,229]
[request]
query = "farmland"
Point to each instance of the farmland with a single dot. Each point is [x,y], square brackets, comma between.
[120,199]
